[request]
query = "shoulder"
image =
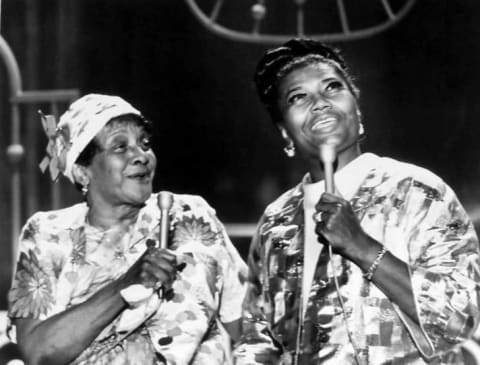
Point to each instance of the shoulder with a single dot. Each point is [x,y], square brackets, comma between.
[416,176]
[193,202]
[52,226]
[288,200]
[409,169]
[183,202]
[59,219]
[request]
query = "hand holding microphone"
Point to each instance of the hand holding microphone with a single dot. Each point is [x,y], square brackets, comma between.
[327,154]
[157,268]
[336,221]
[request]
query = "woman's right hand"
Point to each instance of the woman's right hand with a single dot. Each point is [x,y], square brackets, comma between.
[50,341]
[156,267]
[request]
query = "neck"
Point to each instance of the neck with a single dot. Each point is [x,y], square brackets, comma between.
[105,218]
[344,157]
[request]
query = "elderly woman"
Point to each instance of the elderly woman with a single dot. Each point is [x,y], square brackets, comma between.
[380,269]
[91,284]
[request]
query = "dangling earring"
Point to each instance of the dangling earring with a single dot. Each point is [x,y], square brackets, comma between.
[361,129]
[289,149]
[85,189]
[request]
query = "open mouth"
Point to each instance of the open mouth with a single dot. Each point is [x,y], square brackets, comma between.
[323,123]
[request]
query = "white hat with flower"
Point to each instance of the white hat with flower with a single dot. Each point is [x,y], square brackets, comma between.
[77,127]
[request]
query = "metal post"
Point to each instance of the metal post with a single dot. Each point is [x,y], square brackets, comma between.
[15,151]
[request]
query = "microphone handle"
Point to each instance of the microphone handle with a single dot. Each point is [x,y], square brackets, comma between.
[165,201]
[328,155]
[164,229]
[329,184]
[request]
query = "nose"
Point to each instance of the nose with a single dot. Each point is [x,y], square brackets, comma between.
[139,155]
[320,103]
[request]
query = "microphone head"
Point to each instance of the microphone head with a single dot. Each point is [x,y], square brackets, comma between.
[165,200]
[327,152]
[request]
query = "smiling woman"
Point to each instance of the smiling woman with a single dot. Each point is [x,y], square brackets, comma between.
[114,175]
[382,268]
[92,286]
[318,107]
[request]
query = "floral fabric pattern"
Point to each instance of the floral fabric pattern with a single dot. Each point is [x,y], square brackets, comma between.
[63,261]
[419,219]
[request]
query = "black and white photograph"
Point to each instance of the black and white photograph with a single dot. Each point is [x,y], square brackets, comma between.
[240,182]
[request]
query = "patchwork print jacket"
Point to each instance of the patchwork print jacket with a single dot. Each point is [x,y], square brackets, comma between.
[419,219]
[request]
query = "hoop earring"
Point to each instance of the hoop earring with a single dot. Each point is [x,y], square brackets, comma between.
[85,189]
[289,149]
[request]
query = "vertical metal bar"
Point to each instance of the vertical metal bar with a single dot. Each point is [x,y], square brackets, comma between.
[259,11]
[16,200]
[343,16]
[15,84]
[300,20]
[388,9]
[216,10]
[256,26]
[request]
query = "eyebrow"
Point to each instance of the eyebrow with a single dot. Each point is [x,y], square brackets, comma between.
[289,91]
[120,133]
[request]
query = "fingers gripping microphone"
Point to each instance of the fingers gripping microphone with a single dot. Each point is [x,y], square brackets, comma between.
[165,201]
[328,155]
[137,295]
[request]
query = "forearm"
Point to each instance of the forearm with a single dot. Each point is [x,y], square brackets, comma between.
[391,276]
[61,338]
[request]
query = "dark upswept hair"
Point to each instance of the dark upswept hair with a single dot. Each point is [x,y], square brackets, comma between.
[276,63]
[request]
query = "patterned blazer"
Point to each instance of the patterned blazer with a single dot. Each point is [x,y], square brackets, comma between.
[419,219]
[63,261]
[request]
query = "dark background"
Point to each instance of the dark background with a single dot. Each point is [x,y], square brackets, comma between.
[419,94]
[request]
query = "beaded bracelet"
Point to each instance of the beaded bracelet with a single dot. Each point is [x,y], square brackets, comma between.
[371,270]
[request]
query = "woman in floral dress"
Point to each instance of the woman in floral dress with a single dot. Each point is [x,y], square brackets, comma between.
[91,284]
[384,270]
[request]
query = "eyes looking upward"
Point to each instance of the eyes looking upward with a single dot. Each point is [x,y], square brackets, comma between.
[316,104]
[299,95]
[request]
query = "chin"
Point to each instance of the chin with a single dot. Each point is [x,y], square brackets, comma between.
[140,197]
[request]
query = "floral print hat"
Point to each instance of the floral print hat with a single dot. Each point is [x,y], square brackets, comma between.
[77,127]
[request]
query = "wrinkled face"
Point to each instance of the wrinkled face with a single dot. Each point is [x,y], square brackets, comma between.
[316,106]
[122,171]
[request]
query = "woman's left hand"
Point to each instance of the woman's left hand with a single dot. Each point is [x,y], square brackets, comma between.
[337,224]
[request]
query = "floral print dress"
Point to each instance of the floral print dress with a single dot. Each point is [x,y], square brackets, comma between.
[419,219]
[63,261]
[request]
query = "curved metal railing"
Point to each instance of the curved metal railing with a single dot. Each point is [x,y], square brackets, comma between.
[259,13]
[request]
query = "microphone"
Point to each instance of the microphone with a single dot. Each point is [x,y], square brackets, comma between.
[328,155]
[164,201]
[137,295]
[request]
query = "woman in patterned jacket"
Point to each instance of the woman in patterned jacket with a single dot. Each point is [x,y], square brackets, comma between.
[383,270]
[91,284]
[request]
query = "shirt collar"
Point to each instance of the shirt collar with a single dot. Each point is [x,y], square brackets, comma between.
[347,180]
